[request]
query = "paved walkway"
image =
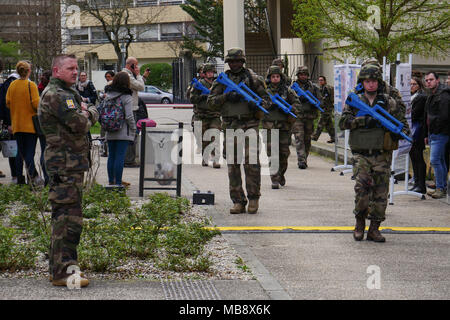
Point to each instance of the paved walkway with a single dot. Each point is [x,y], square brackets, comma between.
[299,245]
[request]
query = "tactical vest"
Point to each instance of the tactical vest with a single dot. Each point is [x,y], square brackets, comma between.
[366,139]
[239,109]
[369,139]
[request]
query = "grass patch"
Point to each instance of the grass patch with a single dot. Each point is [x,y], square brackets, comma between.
[114,232]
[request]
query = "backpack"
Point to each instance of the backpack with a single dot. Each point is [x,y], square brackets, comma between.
[111,114]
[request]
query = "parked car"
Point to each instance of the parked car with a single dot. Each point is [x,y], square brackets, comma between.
[152,94]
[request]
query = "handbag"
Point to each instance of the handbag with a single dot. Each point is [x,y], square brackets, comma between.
[35,118]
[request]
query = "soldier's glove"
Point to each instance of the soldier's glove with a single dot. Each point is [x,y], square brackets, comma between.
[252,106]
[233,96]
[371,122]
[203,97]
[302,99]
[358,122]
[395,137]
[273,106]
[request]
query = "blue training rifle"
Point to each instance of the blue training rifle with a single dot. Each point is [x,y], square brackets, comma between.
[242,90]
[378,113]
[198,85]
[282,104]
[308,95]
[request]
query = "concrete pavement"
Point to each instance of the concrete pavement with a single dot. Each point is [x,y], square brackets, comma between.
[309,255]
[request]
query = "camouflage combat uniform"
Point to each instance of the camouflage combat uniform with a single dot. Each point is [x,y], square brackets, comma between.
[278,119]
[209,118]
[66,159]
[304,126]
[326,117]
[241,115]
[371,146]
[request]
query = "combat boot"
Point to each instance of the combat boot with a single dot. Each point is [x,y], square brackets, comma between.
[253,206]
[81,282]
[237,208]
[439,194]
[204,163]
[282,181]
[358,233]
[275,185]
[302,165]
[374,234]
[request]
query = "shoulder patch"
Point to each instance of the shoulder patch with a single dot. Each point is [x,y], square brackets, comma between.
[70,104]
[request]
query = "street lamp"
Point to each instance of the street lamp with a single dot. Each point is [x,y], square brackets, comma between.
[123,50]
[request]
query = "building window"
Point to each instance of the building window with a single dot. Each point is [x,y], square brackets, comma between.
[144,3]
[171,31]
[98,35]
[171,2]
[79,36]
[147,33]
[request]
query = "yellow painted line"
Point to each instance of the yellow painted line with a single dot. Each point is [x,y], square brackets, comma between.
[327,228]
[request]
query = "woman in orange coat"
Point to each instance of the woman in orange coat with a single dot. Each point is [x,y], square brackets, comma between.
[22,99]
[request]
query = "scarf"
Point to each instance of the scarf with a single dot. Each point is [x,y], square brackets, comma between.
[82,85]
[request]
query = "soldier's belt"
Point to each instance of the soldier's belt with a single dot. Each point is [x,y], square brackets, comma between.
[367,153]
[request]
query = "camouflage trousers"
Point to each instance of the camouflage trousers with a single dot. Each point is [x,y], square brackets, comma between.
[210,123]
[303,130]
[325,121]
[244,152]
[278,167]
[371,184]
[65,196]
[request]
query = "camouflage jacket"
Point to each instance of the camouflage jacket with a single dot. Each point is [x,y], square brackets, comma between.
[348,117]
[217,98]
[307,110]
[65,127]
[199,101]
[327,93]
[278,118]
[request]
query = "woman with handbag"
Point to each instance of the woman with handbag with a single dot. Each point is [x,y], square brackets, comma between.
[22,99]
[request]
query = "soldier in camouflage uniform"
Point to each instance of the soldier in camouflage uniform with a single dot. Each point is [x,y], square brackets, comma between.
[239,115]
[210,118]
[304,126]
[66,122]
[386,87]
[372,146]
[280,63]
[326,118]
[195,117]
[278,119]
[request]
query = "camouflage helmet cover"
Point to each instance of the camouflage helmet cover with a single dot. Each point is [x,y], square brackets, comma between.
[209,67]
[274,69]
[370,71]
[302,69]
[372,61]
[278,62]
[235,54]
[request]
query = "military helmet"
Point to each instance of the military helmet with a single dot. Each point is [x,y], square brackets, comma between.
[370,71]
[235,54]
[209,67]
[302,69]
[274,70]
[372,61]
[278,62]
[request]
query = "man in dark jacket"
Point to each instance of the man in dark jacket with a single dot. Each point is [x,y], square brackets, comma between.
[437,130]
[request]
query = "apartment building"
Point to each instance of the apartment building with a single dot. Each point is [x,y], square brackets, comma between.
[35,25]
[157,27]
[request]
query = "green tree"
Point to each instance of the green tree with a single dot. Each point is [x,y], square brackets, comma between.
[208,17]
[9,50]
[160,75]
[375,27]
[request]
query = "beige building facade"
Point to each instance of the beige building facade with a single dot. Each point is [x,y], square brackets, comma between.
[158,27]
